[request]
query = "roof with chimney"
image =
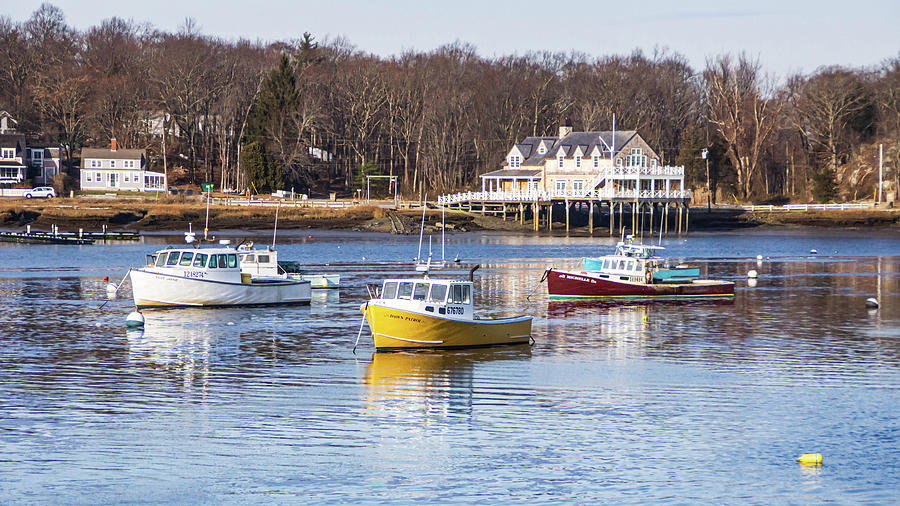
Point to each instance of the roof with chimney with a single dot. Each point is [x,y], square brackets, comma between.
[113,153]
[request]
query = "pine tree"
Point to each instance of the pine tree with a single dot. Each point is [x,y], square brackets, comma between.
[261,172]
[824,185]
[275,106]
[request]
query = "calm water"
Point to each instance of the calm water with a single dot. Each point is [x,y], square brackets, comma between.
[683,403]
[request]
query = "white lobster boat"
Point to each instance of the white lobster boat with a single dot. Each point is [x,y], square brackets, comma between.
[209,277]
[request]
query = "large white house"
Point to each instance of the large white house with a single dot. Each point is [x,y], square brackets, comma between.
[605,165]
[119,169]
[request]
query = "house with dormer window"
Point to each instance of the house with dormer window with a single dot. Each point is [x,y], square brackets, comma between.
[13,155]
[577,164]
[118,170]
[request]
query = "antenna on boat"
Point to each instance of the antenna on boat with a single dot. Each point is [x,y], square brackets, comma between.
[206,226]
[275,228]
[443,227]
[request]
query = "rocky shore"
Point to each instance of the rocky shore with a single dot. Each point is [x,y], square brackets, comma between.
[175,214]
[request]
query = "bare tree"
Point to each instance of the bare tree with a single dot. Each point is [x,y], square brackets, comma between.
[741,113]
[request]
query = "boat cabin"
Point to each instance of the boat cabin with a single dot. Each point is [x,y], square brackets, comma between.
[638,263]
[259,262]
[445,297]
[217,264]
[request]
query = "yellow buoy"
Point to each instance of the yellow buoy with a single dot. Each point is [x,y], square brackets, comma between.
[810,459]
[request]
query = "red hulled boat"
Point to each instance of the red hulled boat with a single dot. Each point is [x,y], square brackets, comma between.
[634,271]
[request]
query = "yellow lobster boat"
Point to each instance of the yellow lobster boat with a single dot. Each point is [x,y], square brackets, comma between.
[436,313]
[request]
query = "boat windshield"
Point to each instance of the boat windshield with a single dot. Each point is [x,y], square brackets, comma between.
[438,293]
[161,259]
[173,258]
[390,290]
[421,291]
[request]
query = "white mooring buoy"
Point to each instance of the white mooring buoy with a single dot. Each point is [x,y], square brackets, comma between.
[759,257]
[134,319]
[813,252]
[872,302]
[752,274]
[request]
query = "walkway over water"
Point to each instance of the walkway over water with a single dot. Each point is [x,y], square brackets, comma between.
[538,206]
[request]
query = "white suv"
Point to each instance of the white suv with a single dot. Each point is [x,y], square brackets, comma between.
[40,192]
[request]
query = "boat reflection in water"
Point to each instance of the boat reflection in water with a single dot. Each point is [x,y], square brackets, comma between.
[435,383]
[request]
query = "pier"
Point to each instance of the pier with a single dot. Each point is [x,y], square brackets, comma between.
[77,238]
[648,211]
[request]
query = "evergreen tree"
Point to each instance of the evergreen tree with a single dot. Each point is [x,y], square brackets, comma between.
[264,175]
[824,185]
[275,107]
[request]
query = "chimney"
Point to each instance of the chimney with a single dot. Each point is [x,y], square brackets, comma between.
[565,127]
[112,144]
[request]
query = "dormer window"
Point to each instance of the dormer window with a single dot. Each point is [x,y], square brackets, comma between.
[541,150]
[514,161]
[577,161]
[561,160]
[596,161]
[8,153]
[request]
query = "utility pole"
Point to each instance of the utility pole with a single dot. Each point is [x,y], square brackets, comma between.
[880,169]
[705,155]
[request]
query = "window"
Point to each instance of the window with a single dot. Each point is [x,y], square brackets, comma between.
[95,164]
[263,259]
[596,161]
[560,185]
[438,293]
[459,294]
[8,153]
[112,163]
[619,162]
[212,262]
[161,259]
[200,260]
[578,161]
[636,158]
[578,185]
[173,258]
[421,291]
[186,258]
[561,160]
[232,261]
[533,186]
[653,163]
[390,290]
[223,261]
[126,178]
[404,291]
[129,164]
[541,150]
[98,176]
[514,161]
[88,176]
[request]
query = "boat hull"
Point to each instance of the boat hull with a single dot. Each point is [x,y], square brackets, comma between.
[581,285]
[402,329]
[151,289]
[320,281]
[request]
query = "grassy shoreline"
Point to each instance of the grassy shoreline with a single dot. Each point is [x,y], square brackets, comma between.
[175,214]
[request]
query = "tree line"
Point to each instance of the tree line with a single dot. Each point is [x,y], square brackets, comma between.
[320,115]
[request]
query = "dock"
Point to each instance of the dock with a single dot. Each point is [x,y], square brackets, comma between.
[56,237]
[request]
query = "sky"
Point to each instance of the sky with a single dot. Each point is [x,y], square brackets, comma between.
[786,36]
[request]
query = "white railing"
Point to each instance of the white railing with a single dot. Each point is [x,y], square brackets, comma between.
[250,202]
[631,171]
[546,196]
[810,207]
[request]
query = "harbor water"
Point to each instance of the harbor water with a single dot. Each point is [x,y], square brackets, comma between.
[704,401]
